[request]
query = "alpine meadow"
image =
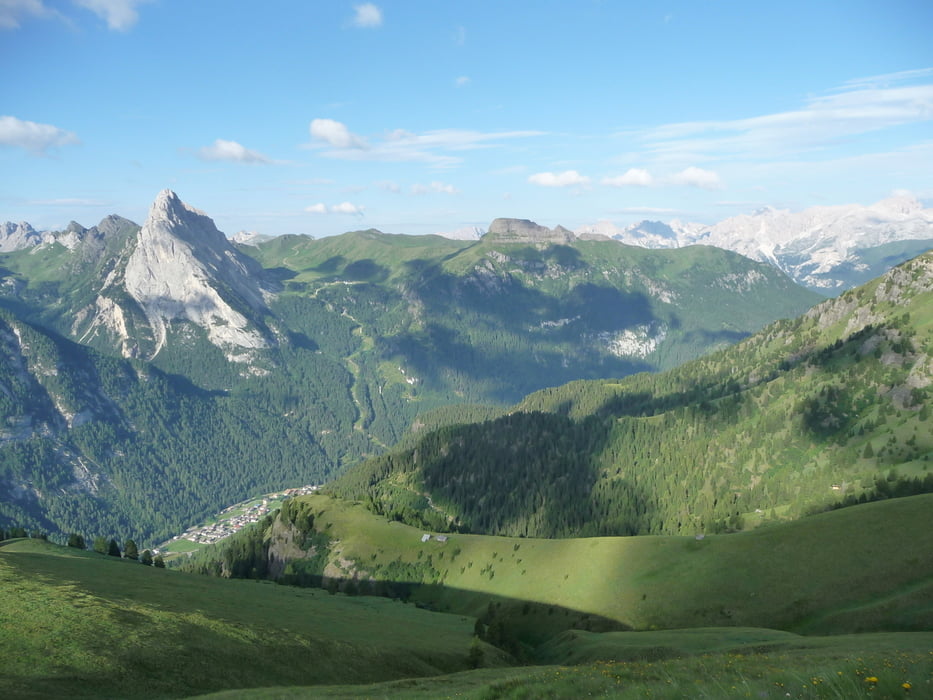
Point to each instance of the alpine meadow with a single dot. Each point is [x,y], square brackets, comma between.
[405,349]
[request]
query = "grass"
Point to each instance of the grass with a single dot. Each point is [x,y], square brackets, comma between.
[851,570]
[868,666]
[74,623]
[83,625]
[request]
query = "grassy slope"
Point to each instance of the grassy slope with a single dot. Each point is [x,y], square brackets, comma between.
[79,624]
[865,568]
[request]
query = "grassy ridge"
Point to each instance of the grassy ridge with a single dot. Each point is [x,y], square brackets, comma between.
[78,624]
[715,663]
[866,568]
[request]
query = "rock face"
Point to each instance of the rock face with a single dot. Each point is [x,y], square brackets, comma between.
[525,231]
[18,236]
[184,268]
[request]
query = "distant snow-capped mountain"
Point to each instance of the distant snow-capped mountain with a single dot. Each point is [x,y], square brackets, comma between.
[466,233]
[827,248]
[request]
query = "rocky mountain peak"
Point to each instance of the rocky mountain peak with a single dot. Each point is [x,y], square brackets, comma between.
[183,267]
[18,236]
[524,231]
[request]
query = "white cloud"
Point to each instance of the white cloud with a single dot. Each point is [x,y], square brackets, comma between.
[389,186]
[399,146]
[638,177]
[36,138]
[460,36]
[434,187]
[120,15]
[231,151]
[564,179]
[13,12]
[859,107]
[367,15]
[342,208]
[69,202]
[697,177]
[335,134]
[462,81]
[347,208]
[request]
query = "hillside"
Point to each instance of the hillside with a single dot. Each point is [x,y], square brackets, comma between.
[120,629]
[104,627]
[807,576]
[826,409]
[282,362]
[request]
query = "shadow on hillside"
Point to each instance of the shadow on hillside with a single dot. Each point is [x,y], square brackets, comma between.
[515,625]
[526,330]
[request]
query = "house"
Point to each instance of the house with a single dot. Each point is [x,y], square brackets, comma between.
[441,538]
[425,537]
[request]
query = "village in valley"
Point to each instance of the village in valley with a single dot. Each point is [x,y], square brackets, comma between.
[231,520]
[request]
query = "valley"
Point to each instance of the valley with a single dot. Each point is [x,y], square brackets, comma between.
[541,463]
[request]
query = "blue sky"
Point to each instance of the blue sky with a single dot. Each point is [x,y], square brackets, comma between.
[419,116]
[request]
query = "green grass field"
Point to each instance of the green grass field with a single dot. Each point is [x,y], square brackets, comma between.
[79,624]
[82,625]
[860,569]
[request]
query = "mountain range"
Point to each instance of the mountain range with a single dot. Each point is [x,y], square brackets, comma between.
[141,358]
[828,249]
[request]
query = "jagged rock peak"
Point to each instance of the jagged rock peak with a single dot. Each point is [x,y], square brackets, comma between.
[183,220]
[525,231]
[183,267]
[18,236]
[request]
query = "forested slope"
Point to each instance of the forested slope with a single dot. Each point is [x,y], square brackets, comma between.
[819,411]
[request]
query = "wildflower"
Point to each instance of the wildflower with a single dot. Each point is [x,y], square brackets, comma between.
[905,685]
[871,679]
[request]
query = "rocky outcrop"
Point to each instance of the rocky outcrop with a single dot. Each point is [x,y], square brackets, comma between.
[18,236]
[184,268]
[525,231]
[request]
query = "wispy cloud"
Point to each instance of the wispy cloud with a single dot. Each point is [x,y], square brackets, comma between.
[697,177]
[859,107]
[367,15]
[120,15]
[637,177]
[462,81]
[231,151]
[434,187]
[35,138]
[432,147]
[342,208]
[14,12]
[564,179]
[69,202]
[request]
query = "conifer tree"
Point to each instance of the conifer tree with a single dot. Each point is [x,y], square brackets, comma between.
[130,551]
[113,549]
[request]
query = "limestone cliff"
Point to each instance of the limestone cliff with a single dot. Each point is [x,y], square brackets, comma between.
[182,267]
[525,231]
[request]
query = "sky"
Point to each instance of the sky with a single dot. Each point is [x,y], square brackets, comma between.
[424,116]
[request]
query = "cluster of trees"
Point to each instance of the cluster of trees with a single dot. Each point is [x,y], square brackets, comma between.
[785,421]
[110,547]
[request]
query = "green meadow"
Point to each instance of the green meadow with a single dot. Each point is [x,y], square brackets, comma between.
[851,570]
[837,605]
[79,624]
